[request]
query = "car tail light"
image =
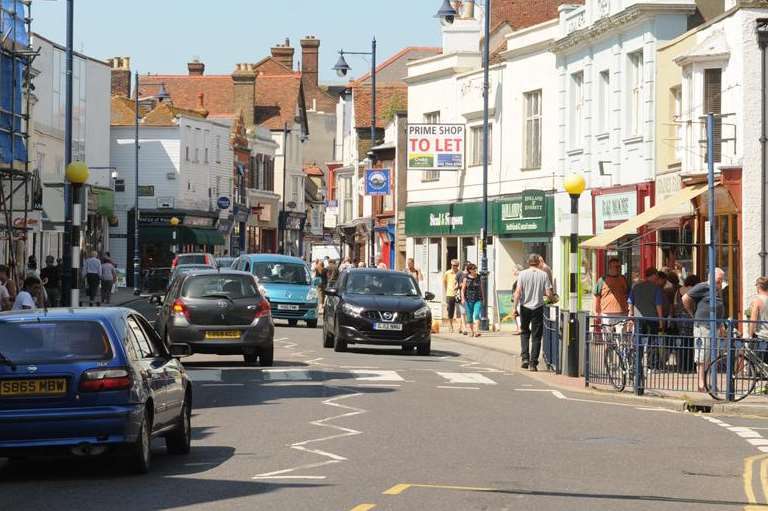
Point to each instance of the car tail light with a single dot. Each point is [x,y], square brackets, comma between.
[175,262]
[179,308]
[99,380]
[264,309]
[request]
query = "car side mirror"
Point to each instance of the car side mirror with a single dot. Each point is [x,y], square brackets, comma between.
[180,350]
[429,296]
[332,291]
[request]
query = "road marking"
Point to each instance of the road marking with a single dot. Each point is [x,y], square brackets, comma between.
[197,375]
[467,378]
[367,375]
[290,477]
[398,489]
[385,385]
[364,507]
[556,393]
[758,441]
[315,360]
[323,423]
[358,367]
[748,480]
[289,374]
[450,387]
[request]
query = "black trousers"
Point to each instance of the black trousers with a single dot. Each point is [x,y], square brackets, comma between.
[93,280]
[531,331]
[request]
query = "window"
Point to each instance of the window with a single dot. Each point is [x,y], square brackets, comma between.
[604,102]
[218,148]
[636,80]
[577,110]
[120,185]
[218,186]
[297,183]
[345,189]
[187,149]
[141,342]
[432,118]
[430,175]
[205,146]
[268,167]
[476,139]
[677,120]
[197,145]
[713,90]
[532,133]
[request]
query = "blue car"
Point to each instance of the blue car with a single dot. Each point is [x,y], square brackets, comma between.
[85,382]
[288,283]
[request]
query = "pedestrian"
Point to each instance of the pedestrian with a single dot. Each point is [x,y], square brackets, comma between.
[92,269]
[611,292]
[410,267]
[543,266]
[332,274]
[646,306]
[758,316]
[6,302]
[26,297]
[449,291]
[51,277]
[472,298]
[326,261]
[533,284]
[108,277]
[345,265]
[321,276]
[461,311]
[380,264]
[684,327]
[697,303]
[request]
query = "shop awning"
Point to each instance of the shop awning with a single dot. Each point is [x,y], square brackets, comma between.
[603,240]
[185,235]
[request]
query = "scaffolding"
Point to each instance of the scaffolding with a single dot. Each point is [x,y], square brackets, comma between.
[16,56]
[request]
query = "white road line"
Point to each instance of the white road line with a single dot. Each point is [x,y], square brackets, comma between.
[290,477]
[377,385]
[315,360]
[456,387]
[758,441]
[556,393]
[358,367]
[467,378]
[324,423]
[197,375]
[369,375]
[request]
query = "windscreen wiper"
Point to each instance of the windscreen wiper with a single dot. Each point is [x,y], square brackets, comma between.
[7,361]
[214,295]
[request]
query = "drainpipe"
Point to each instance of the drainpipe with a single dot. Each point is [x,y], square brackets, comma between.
[761,27]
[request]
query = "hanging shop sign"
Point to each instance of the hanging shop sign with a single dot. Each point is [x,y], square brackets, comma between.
[614,209]
[436,146]
[224,202]
[377,182]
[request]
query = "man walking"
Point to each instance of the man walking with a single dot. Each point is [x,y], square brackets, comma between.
[92,269]
[51,277]
[449,291]
[696,302]
[533,284]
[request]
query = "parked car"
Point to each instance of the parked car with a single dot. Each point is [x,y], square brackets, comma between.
[157,279]
[288,283]
[186,259]
[379,307]
[86,382]
[218,312]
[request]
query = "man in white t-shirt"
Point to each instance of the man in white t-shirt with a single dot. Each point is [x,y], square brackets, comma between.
[25,300]
[5,298]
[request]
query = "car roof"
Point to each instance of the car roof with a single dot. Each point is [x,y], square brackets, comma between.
[103,314]
[194,254]
[274,258]
[377,271]
[223,271]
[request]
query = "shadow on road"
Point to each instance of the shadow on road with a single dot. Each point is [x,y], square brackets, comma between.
[213,364]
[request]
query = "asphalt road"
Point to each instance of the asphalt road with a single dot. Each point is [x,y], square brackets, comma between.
[375,429]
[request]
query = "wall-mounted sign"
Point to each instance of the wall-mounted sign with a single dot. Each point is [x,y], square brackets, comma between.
[436,146]
[528,213]
[146,191]
[224,202]
[614,209]
[377,182]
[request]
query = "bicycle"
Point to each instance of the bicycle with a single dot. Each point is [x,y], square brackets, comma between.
[619,356]
[748,370]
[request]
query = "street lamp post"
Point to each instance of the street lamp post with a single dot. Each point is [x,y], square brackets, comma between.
[68,217]
[575,186]
[77,176]
[342,68]
[448,14]
[175,223]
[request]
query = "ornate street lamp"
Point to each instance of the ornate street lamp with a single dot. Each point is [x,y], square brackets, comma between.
[76,175]
[575,186]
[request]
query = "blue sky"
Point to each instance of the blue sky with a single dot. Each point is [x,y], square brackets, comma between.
[161,36]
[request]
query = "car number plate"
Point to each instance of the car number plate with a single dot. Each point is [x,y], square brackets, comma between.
[36,387]
[397,327]
[227,334]
[284,307]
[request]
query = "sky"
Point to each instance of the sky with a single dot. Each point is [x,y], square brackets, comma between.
[161,36]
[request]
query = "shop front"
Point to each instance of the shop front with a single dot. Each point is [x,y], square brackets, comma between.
[196,232]
[262,223]
[291,224]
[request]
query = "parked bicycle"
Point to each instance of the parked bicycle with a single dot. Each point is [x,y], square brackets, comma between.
[749,370]
[619,356]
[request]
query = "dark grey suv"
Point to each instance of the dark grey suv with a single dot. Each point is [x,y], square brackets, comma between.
[218,312]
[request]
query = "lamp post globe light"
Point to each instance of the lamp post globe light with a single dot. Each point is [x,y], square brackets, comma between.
[447,13]
[76,174]
[175,223]
[342,68]
[574,185]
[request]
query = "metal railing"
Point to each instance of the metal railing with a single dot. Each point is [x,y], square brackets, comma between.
[553,334]
[678,355]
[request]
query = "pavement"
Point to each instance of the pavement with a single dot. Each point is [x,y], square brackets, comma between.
[375,429]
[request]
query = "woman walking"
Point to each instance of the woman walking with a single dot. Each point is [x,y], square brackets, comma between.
[472,297]
[108,277]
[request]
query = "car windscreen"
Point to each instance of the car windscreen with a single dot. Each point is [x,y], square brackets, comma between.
[383,283]
[281,273]
[220,286]
[191,259]
[53,342]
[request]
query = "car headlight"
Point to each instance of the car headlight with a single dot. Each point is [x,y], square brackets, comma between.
[352,310]
[422,313]
[312,295]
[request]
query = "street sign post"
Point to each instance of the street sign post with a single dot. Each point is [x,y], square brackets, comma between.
[224,202]
[377,182]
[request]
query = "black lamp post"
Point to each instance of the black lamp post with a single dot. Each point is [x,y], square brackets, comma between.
[448,14]
[342,68]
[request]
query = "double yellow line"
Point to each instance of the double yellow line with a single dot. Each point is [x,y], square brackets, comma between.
[749,482]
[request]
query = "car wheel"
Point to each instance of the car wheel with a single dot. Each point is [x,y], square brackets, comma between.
[312,323]
[424,349]
[339,345]
[179,441]
[140,457]
[251,359]
[328,339]
[293,322]
[267,357]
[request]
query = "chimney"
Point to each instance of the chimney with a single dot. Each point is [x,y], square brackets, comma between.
[244,78]
[196,68]
[121,76]
[310,54]
[283,53]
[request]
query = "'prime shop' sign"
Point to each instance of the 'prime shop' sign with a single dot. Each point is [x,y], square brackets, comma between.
[436,146]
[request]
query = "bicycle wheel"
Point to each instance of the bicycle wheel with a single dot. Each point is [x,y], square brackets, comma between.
[615,367]
[745,376]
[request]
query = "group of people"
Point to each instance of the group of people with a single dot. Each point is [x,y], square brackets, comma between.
[464,296]
[43,288]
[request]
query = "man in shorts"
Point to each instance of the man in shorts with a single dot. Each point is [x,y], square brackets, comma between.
[696,302]
[611,295]
[449,291]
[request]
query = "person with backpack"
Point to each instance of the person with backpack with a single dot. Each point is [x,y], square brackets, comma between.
[611,294]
